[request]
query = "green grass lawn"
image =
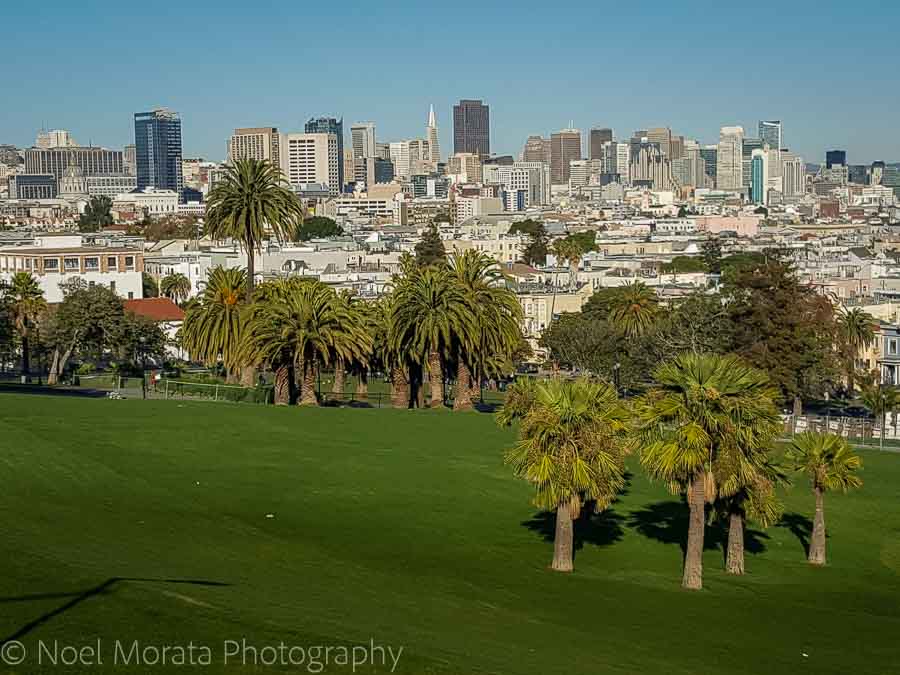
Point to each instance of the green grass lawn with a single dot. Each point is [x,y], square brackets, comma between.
[131,520]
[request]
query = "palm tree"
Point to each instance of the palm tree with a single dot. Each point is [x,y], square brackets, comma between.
[856,333]
[702,406]
[830,464]
[26,302]
[571,448]
[251,200]
[633,308]
[212,326]
[308,323]
[429,319]
[495,325]
[351,308]
[374,317]
[570,250]
[176,287]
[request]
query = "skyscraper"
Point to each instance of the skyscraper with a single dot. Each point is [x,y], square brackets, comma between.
[472,127]
[255,143]
[596,139]
[649,164]
[729,158]
[331,125]
[362,137]
[565,145]
[793,178]
[537,149]
[835,158]
[709,154]
[157,143]
[759,177]
[747,147]
[311,158]
[431,135]
[662,136]
[771,134]
[55,138]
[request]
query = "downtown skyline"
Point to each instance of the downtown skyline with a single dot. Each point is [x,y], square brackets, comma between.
[717,80]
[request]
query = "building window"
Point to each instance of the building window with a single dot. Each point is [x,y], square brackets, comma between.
[91,264]
[130,295]
[112,263]
[72,264]
[51,264]
[129,262]
[112,286]
[892,347]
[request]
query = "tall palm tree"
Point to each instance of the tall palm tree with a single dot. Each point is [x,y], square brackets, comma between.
[633,308]
[212,326]
[830,464]
[176,287]
[251,201]
[571,448]
[569,250]
[429,319]
[703,405]
[351,307]
[308,323]
[26,302]
[374,317]
[856,332]
[495,321]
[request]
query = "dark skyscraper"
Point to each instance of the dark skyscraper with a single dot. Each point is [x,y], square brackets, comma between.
[472,127]
[330,125]
[835,158]
[157,143]
[597,138]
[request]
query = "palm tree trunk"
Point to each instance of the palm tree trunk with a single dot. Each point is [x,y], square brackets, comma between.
[563,541]
[573,274]
[308,392]
[817,540]
[399,388]
[248,376]
[340,377]
[436,377]
[693,558]
[251,272]
[283,384]
[26,366]
[463,398]
[362,385]
[52,377]
[734,561]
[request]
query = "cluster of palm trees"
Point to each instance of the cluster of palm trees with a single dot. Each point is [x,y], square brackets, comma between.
[24,299]
[707,428]
[453,317]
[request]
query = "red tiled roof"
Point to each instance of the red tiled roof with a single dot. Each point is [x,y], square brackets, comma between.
[157,309]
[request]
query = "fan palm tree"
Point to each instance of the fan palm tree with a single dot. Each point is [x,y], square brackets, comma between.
[344,299]
[252,200]
[569,250]
[856,332]
[280,361]
[212,326]
[571,448]
[429,318]
[176,287]
[633,309]
[702,406]
[26,301]
[311,325]
[830,464]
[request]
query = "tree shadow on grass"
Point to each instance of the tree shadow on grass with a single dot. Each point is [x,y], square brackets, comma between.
[667,522]
[77,597]
[800,526]
[598,529]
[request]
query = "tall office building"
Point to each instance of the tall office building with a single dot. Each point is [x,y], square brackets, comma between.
[466,166]
[330,125]
[793,179]
[759,177]
[835,158]
[662,136]
[472,127]
[537,149]
[431,135]
[255,143]
[771,134]
[747,148]
[311,158]
[729,158]
[623,161]
[55,138]
[597,138]
[91,161]
[129,160]
[650,165]
[565,146]
[709,154]
[876,172]
[362,137]
[157,142]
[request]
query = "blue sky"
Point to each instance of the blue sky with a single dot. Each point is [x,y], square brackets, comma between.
[827,69]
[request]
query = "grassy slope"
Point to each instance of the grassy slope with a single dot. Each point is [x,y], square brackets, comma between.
[405,527]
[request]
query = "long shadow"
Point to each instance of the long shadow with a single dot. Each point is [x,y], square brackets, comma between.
[800,526]
[597,529]
[51,391]
[77,597]
[667,522]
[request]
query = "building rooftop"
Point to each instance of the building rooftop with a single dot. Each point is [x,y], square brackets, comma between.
[155,309]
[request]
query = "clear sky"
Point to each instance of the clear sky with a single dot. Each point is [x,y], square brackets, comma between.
[829,70]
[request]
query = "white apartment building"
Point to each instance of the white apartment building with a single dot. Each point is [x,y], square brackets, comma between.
[195,266]
[729,161]
[255,143]
[468,207]
[54,259]
[793,175]
[152,201]
[311,158]
[362,138]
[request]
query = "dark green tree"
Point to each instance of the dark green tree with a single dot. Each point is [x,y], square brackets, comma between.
[430,250]
[536,251]
[712,255]
[684,264]
[97,214]
[318,227]
[150,287]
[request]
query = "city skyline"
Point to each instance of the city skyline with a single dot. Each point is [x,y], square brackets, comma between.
[837,106]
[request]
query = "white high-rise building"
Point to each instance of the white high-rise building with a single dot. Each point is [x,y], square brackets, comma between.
[362,138]
[311,158]
[255,143]
[729,159]
[579,173]
[539,180]
[623,161]
[55,138]
[431,135]
[793,174]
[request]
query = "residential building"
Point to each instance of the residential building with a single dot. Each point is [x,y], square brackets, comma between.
[729,158]
[362,138]
[565,146]
[157,141]
[311,158]
[331,125]
[472,128]
[597,138]
[263,143]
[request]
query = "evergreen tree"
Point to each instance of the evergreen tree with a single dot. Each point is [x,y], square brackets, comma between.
[430,251]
